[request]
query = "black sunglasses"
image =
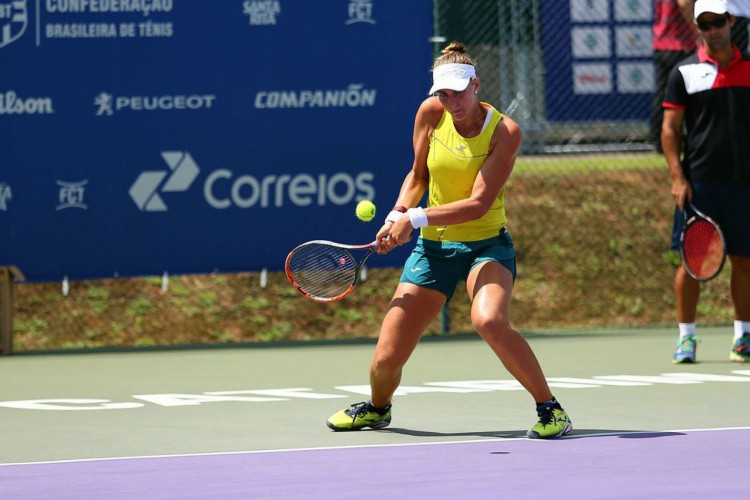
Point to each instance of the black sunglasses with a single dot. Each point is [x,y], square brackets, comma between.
[719,22]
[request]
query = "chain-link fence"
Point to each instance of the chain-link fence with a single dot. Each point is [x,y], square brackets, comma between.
[542,62]
[589,203]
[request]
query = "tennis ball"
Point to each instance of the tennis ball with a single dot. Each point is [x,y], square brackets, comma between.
[365,210]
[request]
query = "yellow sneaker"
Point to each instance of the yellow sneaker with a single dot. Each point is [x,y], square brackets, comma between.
[358,416]
[553,423]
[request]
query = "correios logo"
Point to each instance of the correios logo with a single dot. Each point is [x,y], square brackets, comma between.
[181,174]
[14,19]
[223,188]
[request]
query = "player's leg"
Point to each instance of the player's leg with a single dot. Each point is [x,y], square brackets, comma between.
[409,314]
[411,310]
[728,204]
[490,286]
[736,227]
[687,293]
[740,287]
[428,280]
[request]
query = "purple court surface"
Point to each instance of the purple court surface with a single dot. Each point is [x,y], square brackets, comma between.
[248,423]
[672,464]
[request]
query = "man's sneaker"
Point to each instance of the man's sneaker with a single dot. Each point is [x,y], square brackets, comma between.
[685,352]
[741,349]
[358,416]
[553,422]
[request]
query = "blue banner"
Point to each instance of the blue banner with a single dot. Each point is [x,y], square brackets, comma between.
[188,136]
[598,59]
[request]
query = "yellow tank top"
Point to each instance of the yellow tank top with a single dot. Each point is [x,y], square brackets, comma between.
[454,163]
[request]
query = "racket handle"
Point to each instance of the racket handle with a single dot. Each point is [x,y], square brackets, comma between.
[374,244]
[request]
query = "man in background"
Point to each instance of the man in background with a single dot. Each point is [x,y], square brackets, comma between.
[709,92]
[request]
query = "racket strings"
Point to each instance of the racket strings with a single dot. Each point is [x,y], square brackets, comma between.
[703,249]
[323,271]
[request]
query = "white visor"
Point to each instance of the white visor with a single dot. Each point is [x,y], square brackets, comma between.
[452,77]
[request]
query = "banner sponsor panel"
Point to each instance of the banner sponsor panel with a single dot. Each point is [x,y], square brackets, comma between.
[146,136]
[597,59]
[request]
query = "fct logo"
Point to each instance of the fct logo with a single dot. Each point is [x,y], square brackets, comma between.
[147,187]
[72,195]
[360,11]
[14,18]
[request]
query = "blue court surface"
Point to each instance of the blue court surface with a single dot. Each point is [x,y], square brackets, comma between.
[249,422]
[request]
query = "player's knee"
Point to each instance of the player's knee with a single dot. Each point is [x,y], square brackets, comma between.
[491,326]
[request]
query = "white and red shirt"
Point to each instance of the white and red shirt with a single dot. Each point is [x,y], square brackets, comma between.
[716,101]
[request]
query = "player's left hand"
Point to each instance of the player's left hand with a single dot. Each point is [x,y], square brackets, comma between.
[400,233]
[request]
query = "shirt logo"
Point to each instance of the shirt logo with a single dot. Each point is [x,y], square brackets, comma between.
[698,77]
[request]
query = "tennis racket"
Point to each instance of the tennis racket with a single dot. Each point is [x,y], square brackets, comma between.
[702,246]
[325,271]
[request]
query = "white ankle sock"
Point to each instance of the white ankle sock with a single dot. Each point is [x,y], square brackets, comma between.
[741,328]
[687,329]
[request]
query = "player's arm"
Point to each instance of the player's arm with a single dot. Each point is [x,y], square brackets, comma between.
[418,178]
[676,100]
[686,9]
[416,181]
[671,141]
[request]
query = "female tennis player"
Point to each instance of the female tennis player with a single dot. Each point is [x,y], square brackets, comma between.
[464,152]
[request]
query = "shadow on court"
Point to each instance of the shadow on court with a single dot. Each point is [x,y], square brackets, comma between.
[576,434]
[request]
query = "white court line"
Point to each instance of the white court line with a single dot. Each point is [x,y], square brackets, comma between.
[389,445]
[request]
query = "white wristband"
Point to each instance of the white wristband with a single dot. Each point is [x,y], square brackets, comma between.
[417,217]
[393,216]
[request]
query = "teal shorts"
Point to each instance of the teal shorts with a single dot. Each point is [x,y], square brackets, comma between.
[440,265]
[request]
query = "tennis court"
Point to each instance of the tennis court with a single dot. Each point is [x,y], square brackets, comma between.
[250,422]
